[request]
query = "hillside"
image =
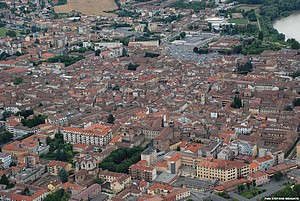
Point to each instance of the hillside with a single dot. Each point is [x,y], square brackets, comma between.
[95,7]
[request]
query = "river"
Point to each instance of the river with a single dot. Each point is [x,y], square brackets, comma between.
[289,26]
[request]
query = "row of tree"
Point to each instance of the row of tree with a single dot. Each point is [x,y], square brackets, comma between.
[59,195]
[67,60]
[5,137]
[241,187]
[35,121]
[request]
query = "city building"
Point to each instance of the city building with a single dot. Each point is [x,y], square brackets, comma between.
[96,134]
[142,171]
[5,160]
[259,177]
[149,155]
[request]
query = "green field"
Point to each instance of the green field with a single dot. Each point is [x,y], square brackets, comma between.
[247,7]
[251,193]
[3,32]
[239,21]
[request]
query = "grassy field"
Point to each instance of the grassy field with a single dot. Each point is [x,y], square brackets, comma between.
[92,7]
[3,32]
[239,21]
[247,7]
[251,193]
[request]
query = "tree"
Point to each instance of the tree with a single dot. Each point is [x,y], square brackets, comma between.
[239,189]
[260,35]
[242,187]
[63,175]
[97,52]
[288,108]
[296,188]
[11,34]
[132,67]
[4,180]
[295,45]
[18,81]
[59,195]
[237,102]
[278,175]
[296,102]
[178,148]
[18,54]
[196,49]
[254,183]
[48,140]
[281,37]
[182,35]
[98,181]
[25,192]
[110,119]
[5,137]
[248,185]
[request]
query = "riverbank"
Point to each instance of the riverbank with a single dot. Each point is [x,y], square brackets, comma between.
[289,26]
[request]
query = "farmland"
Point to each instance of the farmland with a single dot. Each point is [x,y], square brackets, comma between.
[92,7]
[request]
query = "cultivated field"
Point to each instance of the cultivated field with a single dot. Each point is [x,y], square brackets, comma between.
[92,7]
[247,7]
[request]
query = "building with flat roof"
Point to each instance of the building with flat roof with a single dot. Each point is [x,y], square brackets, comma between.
[96,134]
[88,194]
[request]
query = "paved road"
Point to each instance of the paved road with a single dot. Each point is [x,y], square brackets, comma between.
[271,188]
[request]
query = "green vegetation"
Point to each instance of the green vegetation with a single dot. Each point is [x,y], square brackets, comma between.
[238,21]
[4,180]
[237,102]
[5,137]
[3,32]
[67,60]
[11,34]
[25,113]
[132,67]
[63,175]
[58,149]
[196,6]
[223,195]
[241,188]
[3,5]
[127,13]
[25,192]
[18,81]
[168,19]
[151,55]
[121,159]
[278,176]
[3,55]
[288,192]
[110,119]
[270,11]
[244,68]
[296,102]
[80,50]
[256,47]
[59,195]
[62,2]
[25,136]
[2,24]
[147,38]
[98,181]
[36,120]
[252,193]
